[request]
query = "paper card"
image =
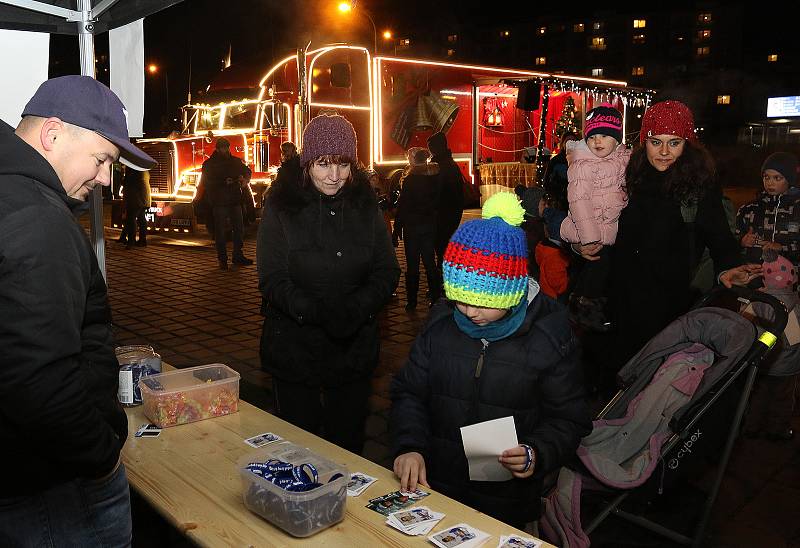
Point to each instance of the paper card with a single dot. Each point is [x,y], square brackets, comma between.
[262,439]
[394,501]
[484,443]
[516,541]
[459,535]
[359,482]
[148,431]
[419,520]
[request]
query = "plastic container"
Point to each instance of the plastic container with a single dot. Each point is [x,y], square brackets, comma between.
[135,362]
[300,514]
[192,394]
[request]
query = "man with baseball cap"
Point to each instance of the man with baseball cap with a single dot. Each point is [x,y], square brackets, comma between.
[62,426]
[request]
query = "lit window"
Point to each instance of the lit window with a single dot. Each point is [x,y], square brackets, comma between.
[505,33]
[597,72]
[598,42]
[679,38]
[638,38]
[541,60]
[451,52]
[772,57]
[452,38]
[637,71]
[723,99]
[705,50]
[577,27]
[405,41]
[703,34]
[704,17]
[541,30]
[639,23]
[597,25]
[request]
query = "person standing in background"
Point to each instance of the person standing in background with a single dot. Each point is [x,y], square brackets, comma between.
[136,197]
[450,207]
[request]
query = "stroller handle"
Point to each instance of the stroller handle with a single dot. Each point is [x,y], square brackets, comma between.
[775,327]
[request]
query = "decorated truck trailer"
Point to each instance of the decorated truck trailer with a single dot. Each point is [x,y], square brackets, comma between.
[490,115]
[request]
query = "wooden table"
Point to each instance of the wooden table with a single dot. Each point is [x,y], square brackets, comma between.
[189,475]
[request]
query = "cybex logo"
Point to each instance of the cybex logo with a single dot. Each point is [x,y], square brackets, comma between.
[684,450]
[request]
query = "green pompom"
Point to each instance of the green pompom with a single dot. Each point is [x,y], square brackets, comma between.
[506,206]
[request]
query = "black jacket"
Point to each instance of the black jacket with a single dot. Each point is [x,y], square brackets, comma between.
[555,179]
[59,415]
[451,194]
[326,267]
[221,179]
[416,208]
[654,260]
[136,189]
[532,375]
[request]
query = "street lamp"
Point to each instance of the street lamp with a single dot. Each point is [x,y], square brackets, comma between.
[346,7]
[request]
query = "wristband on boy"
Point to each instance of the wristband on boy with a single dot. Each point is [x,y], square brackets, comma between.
[530,457]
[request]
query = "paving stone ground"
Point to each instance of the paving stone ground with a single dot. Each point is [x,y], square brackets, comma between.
[172,295]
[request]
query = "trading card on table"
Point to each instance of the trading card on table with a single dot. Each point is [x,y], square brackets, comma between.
[148,431]
[458,535]
[516,541]
[394,501]
[359,483]
[262,439]
[415,521]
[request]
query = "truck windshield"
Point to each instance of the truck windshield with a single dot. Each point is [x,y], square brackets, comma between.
[207,119]
[241,116]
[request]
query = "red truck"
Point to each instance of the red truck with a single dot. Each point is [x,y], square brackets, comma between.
[394,103]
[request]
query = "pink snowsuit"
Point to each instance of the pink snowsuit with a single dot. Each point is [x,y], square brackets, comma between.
[595,194]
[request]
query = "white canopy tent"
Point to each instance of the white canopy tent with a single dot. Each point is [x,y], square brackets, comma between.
[81,18]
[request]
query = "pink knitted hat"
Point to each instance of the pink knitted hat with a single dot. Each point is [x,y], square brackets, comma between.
[328,134]
[779,272]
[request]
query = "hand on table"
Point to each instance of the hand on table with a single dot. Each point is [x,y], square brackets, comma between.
[410,470]
[740,275]
[515,460]
[588,251]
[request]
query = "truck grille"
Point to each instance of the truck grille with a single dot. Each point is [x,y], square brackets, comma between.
[161,177]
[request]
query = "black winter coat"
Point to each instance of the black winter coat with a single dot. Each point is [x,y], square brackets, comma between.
[221,179]
[416,208]
[326,267]
[555,179]
[59,414]
[451,194]
[655,257]
[532,375]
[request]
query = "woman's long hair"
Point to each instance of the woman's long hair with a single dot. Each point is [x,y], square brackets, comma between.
[686,180]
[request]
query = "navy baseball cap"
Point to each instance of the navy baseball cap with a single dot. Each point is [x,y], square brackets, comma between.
[84,102]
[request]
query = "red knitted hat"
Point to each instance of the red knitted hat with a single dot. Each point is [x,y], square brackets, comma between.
[326,135]
[668,118]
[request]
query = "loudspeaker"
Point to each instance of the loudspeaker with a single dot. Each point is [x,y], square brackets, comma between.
[528,95]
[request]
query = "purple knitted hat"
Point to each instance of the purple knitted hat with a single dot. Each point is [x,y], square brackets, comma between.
[328,134]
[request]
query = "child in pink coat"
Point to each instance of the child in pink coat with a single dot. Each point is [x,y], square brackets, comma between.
[596,175]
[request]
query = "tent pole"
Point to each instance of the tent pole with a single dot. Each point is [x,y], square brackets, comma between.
[86,45]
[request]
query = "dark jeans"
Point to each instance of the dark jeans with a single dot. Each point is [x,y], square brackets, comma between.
[336,413]
[421,245]
[221,216]
[81,512]
[133,216]
[594,276]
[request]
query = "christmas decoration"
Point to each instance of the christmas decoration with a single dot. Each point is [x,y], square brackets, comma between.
[566,123]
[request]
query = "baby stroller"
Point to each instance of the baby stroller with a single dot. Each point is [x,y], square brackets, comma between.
[683,398]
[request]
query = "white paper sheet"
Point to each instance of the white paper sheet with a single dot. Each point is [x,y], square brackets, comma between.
[484,443]
[23,66]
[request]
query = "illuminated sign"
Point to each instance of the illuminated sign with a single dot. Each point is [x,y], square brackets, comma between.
[779,107]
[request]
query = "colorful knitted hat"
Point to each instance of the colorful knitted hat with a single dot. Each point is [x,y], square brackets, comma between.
[328,134]
[486,262]
[604,120]
[668,118]
[779,272]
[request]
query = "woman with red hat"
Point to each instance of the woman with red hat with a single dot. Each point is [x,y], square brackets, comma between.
[674,212]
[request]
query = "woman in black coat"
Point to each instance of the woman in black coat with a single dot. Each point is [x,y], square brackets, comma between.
[326,268]
[674,212]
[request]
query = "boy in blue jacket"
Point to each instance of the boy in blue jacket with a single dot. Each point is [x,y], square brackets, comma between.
[499,348]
